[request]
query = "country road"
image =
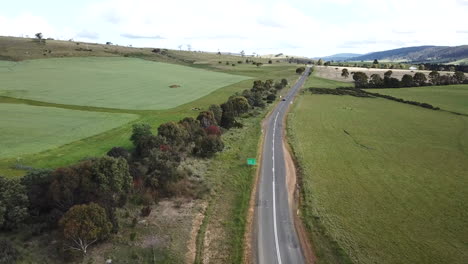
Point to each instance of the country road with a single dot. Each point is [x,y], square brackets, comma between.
[276,238]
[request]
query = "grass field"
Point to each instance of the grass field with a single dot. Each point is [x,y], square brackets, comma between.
[124,83]
[318,82]
[448,97]
[99,144]
[29,129]
[386,181]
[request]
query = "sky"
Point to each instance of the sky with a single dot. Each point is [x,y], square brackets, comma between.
[311,28]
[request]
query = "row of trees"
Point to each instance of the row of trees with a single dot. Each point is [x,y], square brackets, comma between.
[81,199]
[361,80]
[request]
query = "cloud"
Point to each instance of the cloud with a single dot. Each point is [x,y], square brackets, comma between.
[314,28]
[132,36]
[88,35]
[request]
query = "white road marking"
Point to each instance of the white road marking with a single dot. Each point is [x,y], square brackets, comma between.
[275,229]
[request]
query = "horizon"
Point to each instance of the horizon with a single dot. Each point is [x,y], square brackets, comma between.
[261,27]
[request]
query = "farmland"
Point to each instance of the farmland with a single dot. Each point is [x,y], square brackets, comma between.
[53,94]
[29,129]
[334,73]
[124,83]
[382,181]
[448,97]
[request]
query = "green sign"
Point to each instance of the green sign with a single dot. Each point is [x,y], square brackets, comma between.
[251,162]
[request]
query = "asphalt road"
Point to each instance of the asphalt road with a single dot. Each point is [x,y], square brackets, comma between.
[277,241]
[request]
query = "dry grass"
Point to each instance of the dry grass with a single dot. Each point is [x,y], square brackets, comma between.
[334,72]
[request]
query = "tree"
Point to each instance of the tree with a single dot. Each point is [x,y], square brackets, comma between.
[237,105]
[419,78]
[300,70]
[344,73]
[270,61]
[284,82]
[210,145]
[13,203]
[84,225]
[407,81]
[8,253]
[259,64]
[119,152]
[36,184]
[375,81]
[421,67]
[360,79]
[104,180]
[39,36]
[388,74]
[242,53]
[375,62]
[459,76]
[174,133]
[217,112]
[434,76]
[139,132]
[320,62]
[206,119]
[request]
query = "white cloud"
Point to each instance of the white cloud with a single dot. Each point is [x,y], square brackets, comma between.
[25,24]
[314,27]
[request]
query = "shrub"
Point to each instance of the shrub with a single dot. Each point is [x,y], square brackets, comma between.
[119,152]
[271,97]
[8,253]
[13,203]
[145,211]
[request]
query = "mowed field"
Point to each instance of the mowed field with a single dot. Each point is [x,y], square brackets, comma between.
[388,182]
[448,97]
[111,82]
[29,129]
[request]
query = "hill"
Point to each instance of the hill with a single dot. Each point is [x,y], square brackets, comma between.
[436,54]
[339,57]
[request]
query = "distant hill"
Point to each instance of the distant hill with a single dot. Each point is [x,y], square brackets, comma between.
[339,57]
[439,54]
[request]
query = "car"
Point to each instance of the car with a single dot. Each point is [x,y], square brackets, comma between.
[283,99]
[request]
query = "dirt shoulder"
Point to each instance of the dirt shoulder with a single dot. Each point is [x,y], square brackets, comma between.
[294,197]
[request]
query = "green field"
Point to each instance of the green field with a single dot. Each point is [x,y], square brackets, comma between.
[123,83]
[448,97]
[393,188]
[29,129]
[317,82]
[101,143]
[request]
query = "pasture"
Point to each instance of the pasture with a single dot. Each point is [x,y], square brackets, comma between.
[386,181]
[29,129]
[123,83]
[448,97]
[334,72]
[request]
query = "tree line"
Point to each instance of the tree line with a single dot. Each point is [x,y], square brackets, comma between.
[80,200]
[361,80]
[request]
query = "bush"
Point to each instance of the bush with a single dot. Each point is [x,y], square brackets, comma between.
[119,152]
[8,253]
[13,203]
[145,211]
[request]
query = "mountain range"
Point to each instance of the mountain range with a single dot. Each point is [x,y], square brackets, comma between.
[435,54]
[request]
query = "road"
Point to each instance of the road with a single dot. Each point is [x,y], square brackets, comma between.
[276,240]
